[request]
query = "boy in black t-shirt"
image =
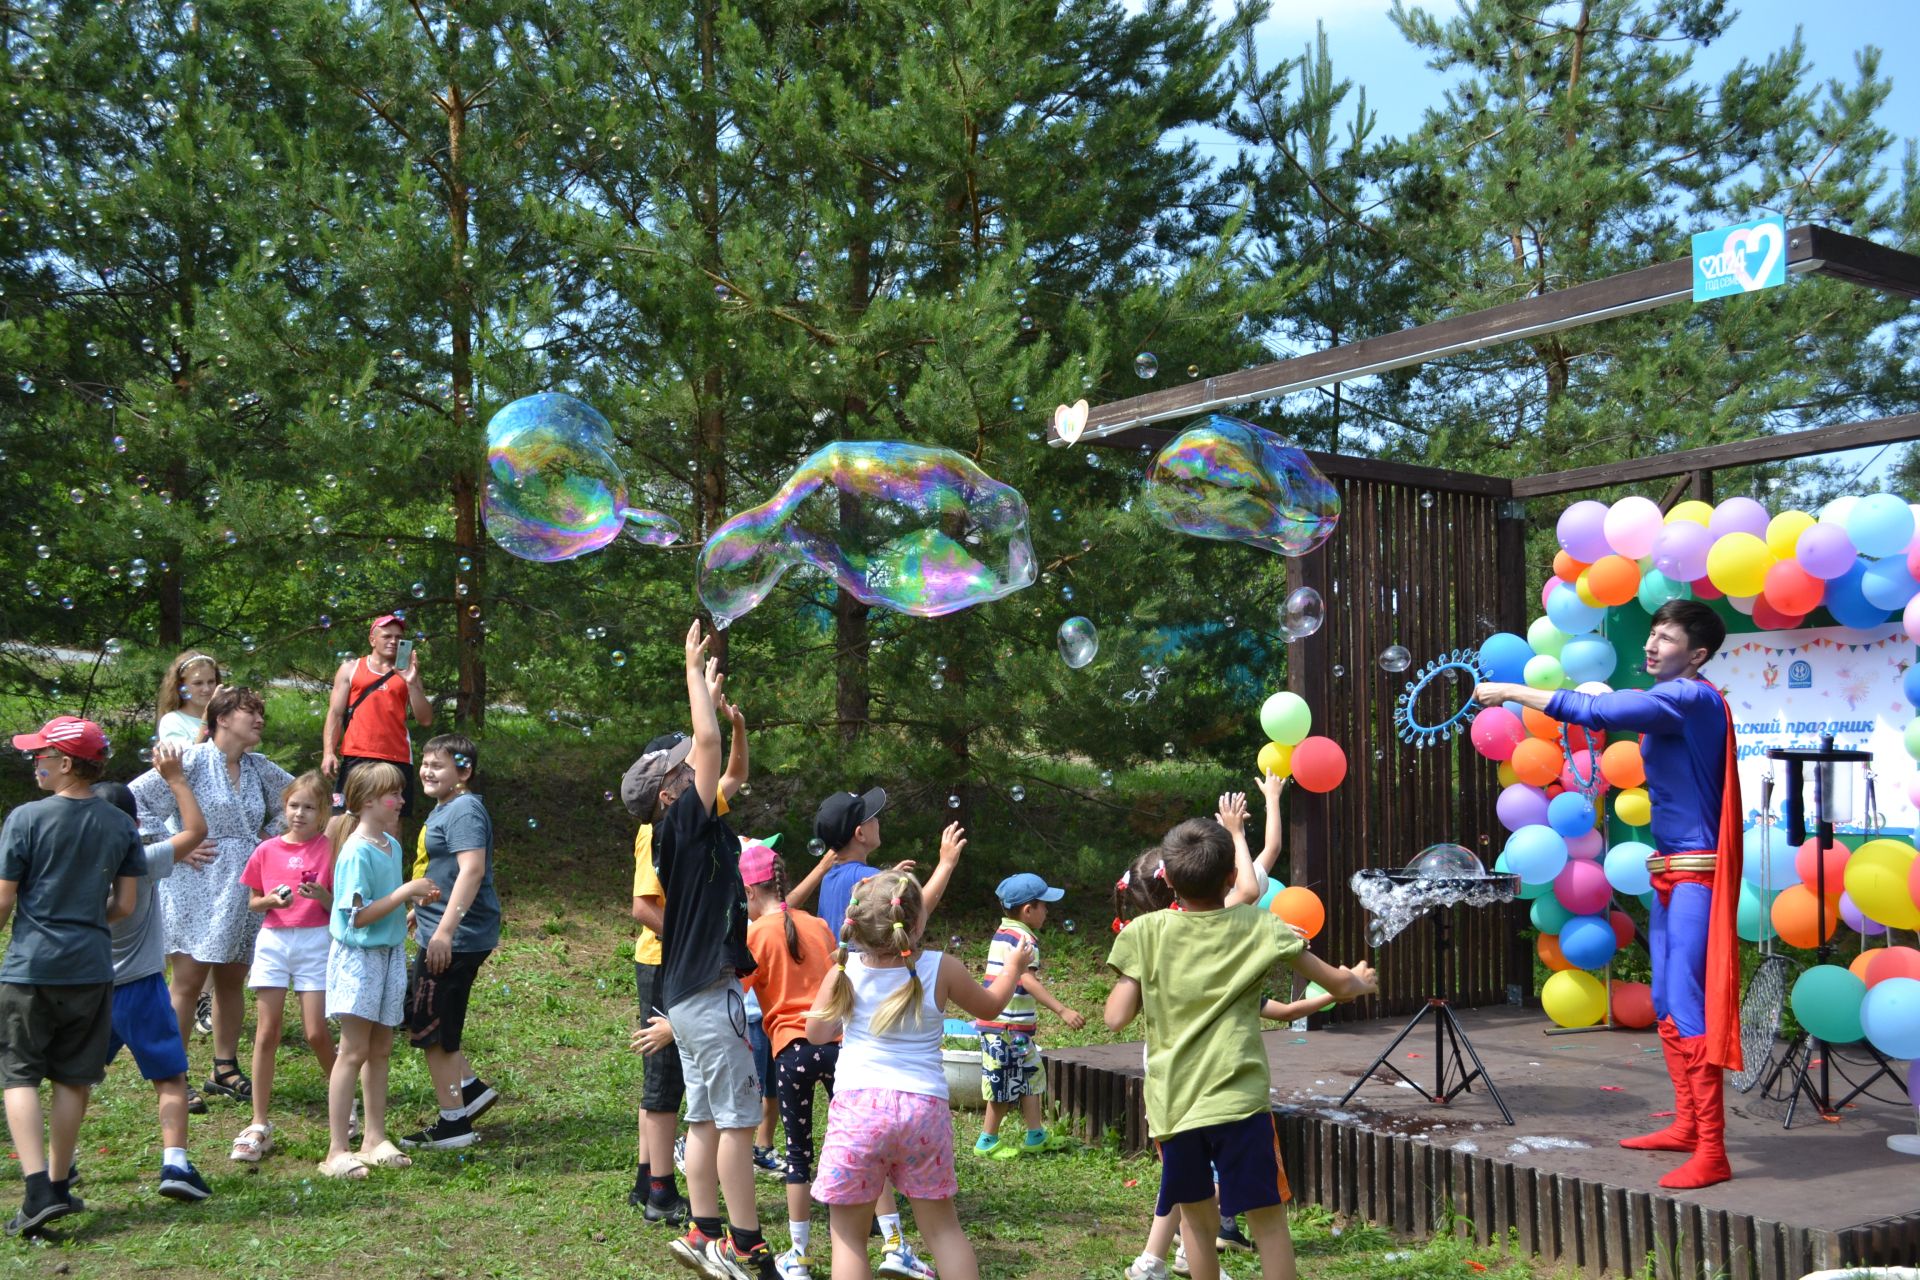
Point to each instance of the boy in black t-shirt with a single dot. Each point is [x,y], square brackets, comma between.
[705,951]
[59,858]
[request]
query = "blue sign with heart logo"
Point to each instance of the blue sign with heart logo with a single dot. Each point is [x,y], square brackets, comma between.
[1740,259]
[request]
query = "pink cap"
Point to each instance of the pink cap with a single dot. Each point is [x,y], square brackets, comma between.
[71,734]
[386,620]
[756,862]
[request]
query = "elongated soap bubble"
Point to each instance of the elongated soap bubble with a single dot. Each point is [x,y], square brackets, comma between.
[908,527]
[553,489]
[1228,479]
[1079,642]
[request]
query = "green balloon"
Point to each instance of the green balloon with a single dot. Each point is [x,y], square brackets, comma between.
[1286,718]
[1544,672]
[1656,588]
[1547,914]
[1826,1000]
[1913,738]
[1754,920]
[1546,638]
[1313,992]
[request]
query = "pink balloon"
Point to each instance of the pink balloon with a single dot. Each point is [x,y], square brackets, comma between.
[1570,783]
[1859,921]
[1632,524]
[1738,515]
[1912,618]
[1587,845]
[1496,732]
[1913,557]
[1582,887]
[1913,794]
[1546,589]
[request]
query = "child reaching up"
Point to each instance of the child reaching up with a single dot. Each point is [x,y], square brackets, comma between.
[1196,974]
[889,1119]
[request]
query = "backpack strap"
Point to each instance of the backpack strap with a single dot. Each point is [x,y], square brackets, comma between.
[355,704]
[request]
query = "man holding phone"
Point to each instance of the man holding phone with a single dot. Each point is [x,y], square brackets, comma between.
[367,711]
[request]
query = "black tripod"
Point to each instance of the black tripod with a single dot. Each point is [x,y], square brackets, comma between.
[1452,1051]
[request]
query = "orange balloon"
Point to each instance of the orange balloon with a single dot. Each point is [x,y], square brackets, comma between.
[1540,724]
[1858,965]
[1891,962]
[1548,949]
[1537,762]
[1300,908]
[1566,568]
[1621,765]
[1613,580]
[1798,917]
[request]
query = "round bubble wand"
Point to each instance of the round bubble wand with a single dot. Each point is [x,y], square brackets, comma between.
[1407,723]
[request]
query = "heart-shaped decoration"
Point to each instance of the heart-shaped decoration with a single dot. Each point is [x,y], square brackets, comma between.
[1069,420]
[1763,244]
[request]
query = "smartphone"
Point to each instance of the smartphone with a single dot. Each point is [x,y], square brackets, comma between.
[403,655]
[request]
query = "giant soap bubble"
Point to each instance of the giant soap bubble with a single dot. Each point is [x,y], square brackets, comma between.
[1231,480]
[553,489]
[908,527]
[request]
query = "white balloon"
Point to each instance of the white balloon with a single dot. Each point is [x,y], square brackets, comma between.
[1837,511]
[1594,687]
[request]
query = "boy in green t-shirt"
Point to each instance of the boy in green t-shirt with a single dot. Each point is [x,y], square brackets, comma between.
[1196,973]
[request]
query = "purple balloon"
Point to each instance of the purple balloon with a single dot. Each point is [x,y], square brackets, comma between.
[1583,531]
[1521,806]
[1738,515]
[1825,551]
[1913,1083]
[1857,920]
[1680,552]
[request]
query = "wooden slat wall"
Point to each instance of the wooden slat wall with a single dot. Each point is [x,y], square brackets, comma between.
[1432,570]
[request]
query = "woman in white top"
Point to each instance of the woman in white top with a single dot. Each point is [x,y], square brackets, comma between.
[184,692]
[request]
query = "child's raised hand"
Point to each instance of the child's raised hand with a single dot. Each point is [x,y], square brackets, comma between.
[1361,981]
[696,646]
[715,678]
[1233,812]
[953,841]
[1271,785]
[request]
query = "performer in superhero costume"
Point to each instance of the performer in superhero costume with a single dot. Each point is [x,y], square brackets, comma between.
[1686,742]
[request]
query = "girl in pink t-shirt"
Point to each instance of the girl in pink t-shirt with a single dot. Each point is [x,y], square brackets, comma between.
[291,877]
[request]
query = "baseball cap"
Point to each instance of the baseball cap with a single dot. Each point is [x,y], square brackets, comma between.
[1019,890]
[387,620]
[842,812]
[70,734]
[756,860]
[640,787]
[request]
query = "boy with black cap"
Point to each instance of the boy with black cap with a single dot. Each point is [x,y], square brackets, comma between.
[58,859]
[1010,1069]
[849,825]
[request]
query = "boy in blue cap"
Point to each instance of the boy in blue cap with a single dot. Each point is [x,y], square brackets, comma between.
[1010,1070]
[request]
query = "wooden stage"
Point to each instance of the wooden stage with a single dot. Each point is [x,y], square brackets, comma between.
[1820,1195]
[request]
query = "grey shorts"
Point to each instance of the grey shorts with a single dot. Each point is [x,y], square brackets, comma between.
[367,982]
[710,1028]
[62,1034]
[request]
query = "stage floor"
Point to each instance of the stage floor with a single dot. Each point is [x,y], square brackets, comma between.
[1572,1098]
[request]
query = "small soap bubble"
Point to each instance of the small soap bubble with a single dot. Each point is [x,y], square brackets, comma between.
[43,551]
[618,657]
[1339,670]
[953,801]
[119,444]
[939,663]
[532,823]
[1017,792]
[1079,642]
[1058,515]
[1426,500]
[1166,749]
[1303,613]
[1193,371]
[229,537]
[1019,404]
[1106,777]
[816,846]
[66,602]
[77,496]
[938,682]
[419,590]
[248,644]
[1026,324]
[325,622]
[608,796]
[1066,592]
[1068,926]
[321,525]
[1395,658]
[465,563]
[1146,365]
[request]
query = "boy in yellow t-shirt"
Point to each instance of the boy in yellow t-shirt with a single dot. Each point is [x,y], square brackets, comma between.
[1196,974]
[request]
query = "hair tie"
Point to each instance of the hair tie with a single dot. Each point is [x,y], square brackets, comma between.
[1118,924]
[842,968]
[1160,872]
[899,927]
[779,906]
[906,953]
[896,902]
[1126,878]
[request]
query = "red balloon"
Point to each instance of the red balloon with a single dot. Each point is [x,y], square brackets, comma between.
[1631,1003]
[1704,590]
[1622,927]
[1319,764]
[1792,590]
[1836,859]
[1768,618]
[1892,962]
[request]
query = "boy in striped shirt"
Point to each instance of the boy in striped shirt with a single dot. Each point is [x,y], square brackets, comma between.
[1010,1070]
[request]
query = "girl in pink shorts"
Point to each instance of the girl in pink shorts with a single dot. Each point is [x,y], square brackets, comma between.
[889,1115]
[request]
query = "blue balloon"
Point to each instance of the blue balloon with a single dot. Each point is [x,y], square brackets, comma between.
[1887,584]
[1570,814]
[1775,858]
[1847,601]
[1880,524]
[1567,611]
[1587,941]
[1890,1015]
[1504,656]
[1526,891]
[1536,853]
[1547,914]
[1626,867]
[1910,683]
[1273,891]
[1587,658]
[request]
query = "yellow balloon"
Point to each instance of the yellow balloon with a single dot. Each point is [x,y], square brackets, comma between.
[1784,530]
[1506,774]
[1877,882]
[1633,806]
[1738,564]
[1692,509]
[1276,758]
[1574,998]
[1584,589]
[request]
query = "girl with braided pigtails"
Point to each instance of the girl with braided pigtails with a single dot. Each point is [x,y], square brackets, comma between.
[883,999]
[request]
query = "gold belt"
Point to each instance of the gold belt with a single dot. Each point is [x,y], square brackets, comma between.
[1682,862]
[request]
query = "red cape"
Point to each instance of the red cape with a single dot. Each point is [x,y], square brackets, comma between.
[1723,944]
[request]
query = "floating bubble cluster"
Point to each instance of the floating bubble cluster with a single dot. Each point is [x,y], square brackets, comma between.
[1079,642]
[1231,480]
[909,527]
[1395,899]
[553,489]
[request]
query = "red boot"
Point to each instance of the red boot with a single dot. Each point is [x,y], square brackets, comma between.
[1707,1083]
[1680,1135]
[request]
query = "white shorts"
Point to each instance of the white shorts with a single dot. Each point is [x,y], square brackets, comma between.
[291,959]
[367,982]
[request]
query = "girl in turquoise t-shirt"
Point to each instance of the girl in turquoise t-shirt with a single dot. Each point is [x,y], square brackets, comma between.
[367,963]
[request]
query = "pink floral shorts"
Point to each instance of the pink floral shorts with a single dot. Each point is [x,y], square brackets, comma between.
[877,1134]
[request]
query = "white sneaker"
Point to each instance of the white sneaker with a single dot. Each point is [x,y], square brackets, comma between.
[680,1154]
[901,1261]
[1147,1267]
[794,1265]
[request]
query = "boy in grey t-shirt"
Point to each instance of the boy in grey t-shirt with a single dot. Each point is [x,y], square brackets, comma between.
[61,860]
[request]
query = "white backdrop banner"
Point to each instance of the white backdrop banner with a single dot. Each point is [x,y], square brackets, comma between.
[1787,688]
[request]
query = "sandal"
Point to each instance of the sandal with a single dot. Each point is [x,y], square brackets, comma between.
[229,1081]
[252,1142]
[346,1165]
[388,1156]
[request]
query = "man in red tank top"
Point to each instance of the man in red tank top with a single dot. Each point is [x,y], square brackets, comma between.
[367,712]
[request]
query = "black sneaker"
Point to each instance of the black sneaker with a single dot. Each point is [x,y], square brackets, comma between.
[671,1208]
[1231,1237]
[183,1184]
[444,1135]
[203,1014]
[477,1098]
